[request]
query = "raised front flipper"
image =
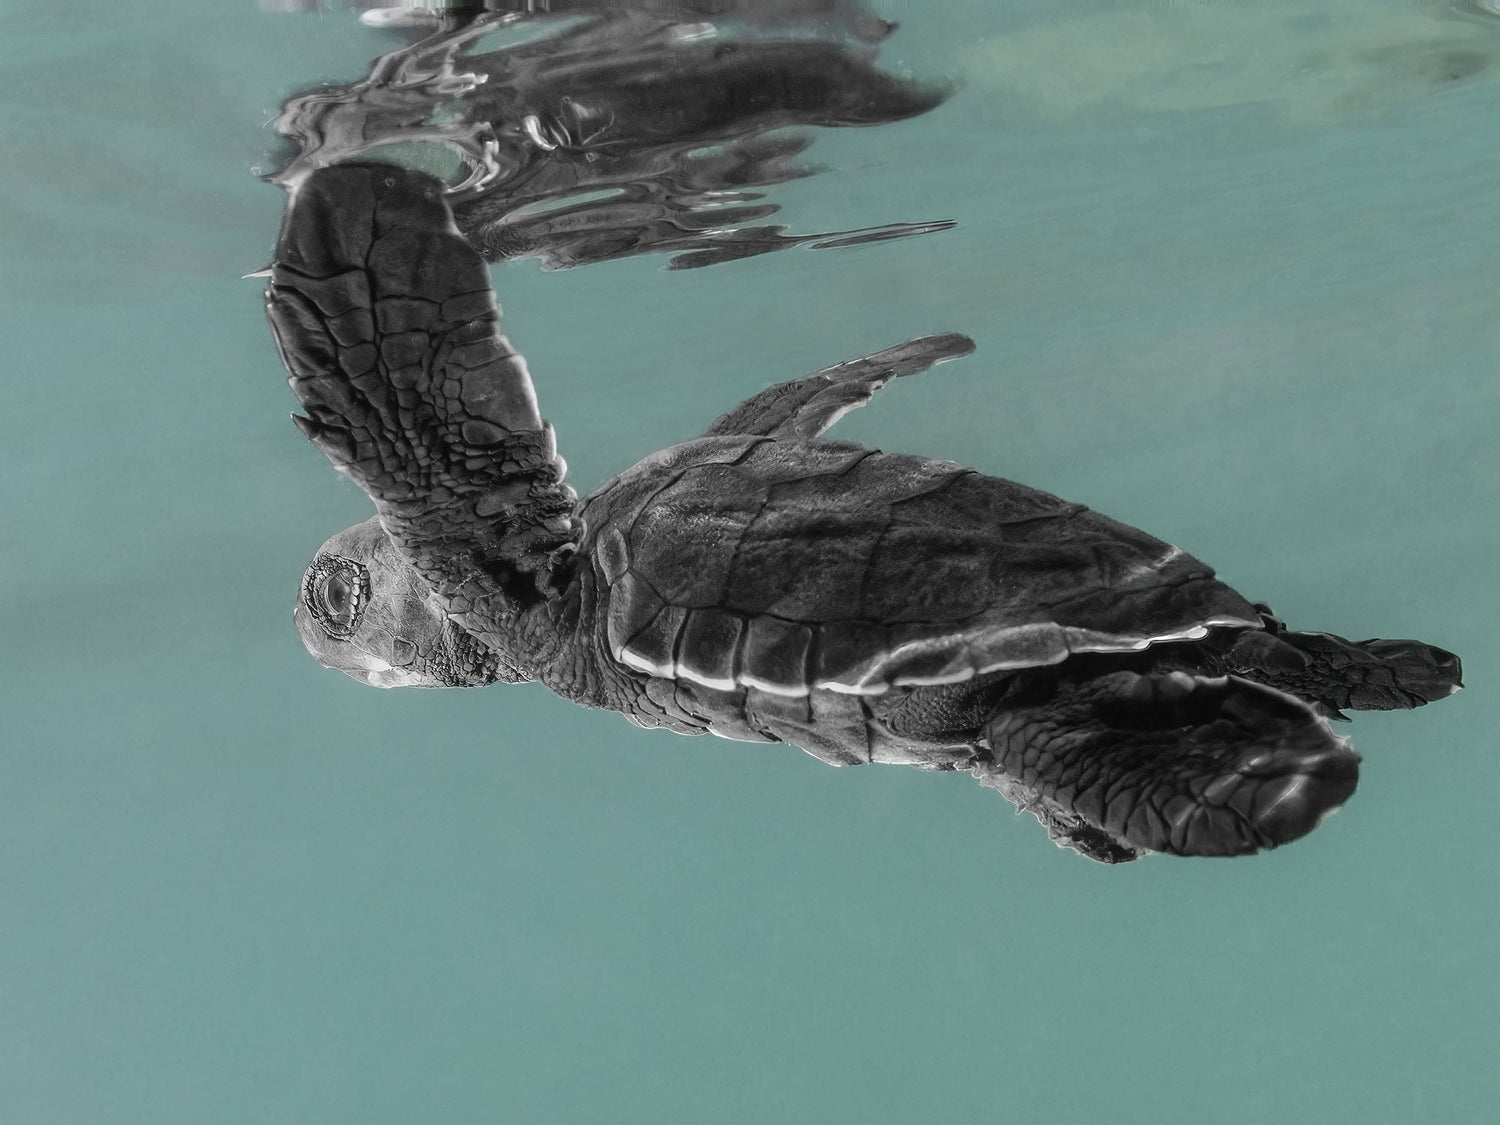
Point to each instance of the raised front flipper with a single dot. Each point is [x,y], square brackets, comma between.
[804,408]
[1374,675]
[387,325]
[1171,762]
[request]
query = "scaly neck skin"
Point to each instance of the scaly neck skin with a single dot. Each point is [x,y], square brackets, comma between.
[526,635]
[492,550]
[560,643]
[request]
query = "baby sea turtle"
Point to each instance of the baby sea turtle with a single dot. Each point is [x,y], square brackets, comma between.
[761,583]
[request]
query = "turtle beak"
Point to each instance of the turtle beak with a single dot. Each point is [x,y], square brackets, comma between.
[383,675]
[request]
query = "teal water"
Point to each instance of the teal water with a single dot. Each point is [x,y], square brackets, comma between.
[1231,271]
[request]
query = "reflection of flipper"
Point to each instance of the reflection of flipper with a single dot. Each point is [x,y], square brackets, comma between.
[804,408]
[1370,675]
[1172,762]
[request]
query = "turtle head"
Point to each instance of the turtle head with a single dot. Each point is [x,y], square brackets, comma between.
[365,610]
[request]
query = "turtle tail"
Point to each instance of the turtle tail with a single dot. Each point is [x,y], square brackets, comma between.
[1124,763]
[1373,675]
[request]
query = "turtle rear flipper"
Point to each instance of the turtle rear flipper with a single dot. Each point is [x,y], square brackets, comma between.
[1170,762]
[1065,829]
[1374,675]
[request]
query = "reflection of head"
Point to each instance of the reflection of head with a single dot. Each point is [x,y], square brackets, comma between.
[364,610]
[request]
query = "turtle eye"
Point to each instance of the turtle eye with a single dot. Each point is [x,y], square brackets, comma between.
[336,595]
[336,591]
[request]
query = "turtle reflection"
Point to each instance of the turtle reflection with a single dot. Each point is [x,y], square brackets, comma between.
[596,131]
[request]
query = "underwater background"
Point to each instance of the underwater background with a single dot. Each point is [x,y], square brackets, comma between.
[1232,273]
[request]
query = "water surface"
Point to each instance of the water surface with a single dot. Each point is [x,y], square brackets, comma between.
[1231,277]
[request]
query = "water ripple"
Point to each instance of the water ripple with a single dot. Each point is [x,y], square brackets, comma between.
[594,131]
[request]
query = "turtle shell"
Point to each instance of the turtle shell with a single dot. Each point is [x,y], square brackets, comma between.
[796,566]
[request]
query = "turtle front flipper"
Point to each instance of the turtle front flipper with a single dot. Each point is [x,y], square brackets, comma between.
[804,408]
[1373,675]
[388,327]
[1169,762]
